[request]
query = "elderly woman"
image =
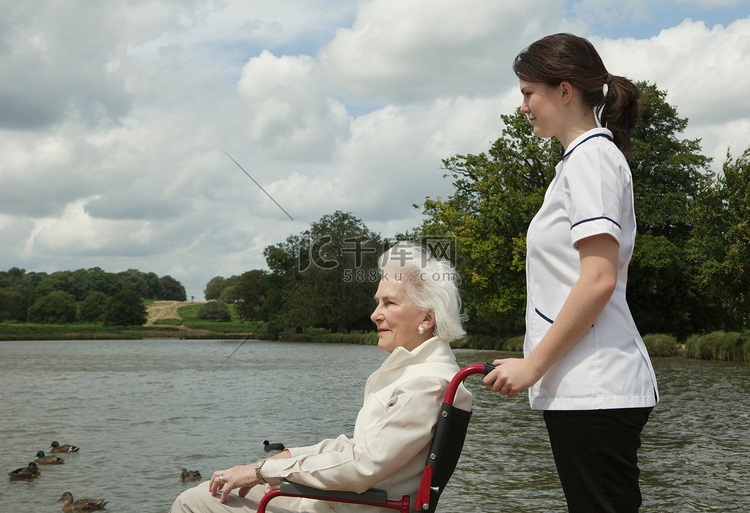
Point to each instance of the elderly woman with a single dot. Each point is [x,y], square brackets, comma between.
[417,314]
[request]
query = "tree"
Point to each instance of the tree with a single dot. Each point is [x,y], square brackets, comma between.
[217,285]
[55,281]
[214,287]
[57,307]
[669,173]
[497,194]
[249,295]
[171,289]
[215,311]
[720,246]
[92,308]
[101,281]
[326,276]
[125,308]
[145,284]
[11,305]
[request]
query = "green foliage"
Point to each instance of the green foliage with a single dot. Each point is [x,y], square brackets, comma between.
[215,311]
[667,171]
[719,345]
[216,285]
[324,277]
[11,305]
[57,307]
[20,289]
[170,290]
[249,294]
[721,246]
[669,175]
[92,308]
[661,345]
[81,282]
[125,308]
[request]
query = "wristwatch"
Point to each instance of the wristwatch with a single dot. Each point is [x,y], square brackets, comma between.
[258,475]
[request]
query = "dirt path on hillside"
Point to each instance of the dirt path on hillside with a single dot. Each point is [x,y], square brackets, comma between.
[166,310]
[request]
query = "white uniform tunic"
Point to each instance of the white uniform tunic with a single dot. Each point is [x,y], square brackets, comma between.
[609,367]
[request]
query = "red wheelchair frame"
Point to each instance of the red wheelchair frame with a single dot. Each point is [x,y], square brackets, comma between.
[445,450]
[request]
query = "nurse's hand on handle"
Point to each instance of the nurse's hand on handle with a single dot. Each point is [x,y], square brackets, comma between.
[511,376]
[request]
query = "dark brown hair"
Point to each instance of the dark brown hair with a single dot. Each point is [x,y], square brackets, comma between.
[566,57]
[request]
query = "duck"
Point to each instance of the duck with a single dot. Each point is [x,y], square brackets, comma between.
[41,459]
[189,475]
[80,504]
[29,472]
[268,447]
[56,447]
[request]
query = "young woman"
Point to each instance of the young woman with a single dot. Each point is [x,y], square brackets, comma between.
[584,362]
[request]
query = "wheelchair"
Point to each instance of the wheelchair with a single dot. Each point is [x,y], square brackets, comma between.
[445,450]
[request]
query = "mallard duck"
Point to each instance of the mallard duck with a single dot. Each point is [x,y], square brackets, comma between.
[56,447]
[29,472]
[189,475]
[268,447]
[48,460]
[80,504]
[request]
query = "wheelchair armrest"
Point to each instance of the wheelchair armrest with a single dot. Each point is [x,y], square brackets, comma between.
[372,495]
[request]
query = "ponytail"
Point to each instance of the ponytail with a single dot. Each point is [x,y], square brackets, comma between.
[621,110]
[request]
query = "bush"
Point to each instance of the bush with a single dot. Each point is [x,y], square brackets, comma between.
[719,345]
[659,344]
[215,311]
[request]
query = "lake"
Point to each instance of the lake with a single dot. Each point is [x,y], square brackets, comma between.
[142,410]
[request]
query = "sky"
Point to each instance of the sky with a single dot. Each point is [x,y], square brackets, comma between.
[118,119]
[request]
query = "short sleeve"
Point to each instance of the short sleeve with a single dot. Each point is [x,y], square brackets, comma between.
[595,183]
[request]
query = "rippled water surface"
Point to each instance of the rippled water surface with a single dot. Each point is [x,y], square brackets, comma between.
[142,410]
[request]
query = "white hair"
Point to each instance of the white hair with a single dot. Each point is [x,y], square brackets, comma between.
[431,283]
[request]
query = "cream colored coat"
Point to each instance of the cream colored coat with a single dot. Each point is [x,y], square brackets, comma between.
[392,433]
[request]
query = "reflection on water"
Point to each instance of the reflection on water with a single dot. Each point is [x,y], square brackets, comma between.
[142,410]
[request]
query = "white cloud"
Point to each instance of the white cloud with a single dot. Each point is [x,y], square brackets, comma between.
[422,49]
[113,140]
[289,115]
[54,75]
[704,71]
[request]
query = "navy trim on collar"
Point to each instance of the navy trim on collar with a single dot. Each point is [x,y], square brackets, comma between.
[586,139]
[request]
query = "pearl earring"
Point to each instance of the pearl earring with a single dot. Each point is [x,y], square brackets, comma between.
[420,330]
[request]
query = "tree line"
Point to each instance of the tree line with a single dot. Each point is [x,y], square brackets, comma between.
[690,272]
[85,295]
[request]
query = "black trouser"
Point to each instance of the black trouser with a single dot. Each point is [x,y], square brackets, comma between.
[596,454]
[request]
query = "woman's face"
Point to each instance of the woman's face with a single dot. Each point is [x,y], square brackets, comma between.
[541,106]
[398,318]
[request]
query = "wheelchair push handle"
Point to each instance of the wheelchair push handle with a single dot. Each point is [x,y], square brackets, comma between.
[460,377]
